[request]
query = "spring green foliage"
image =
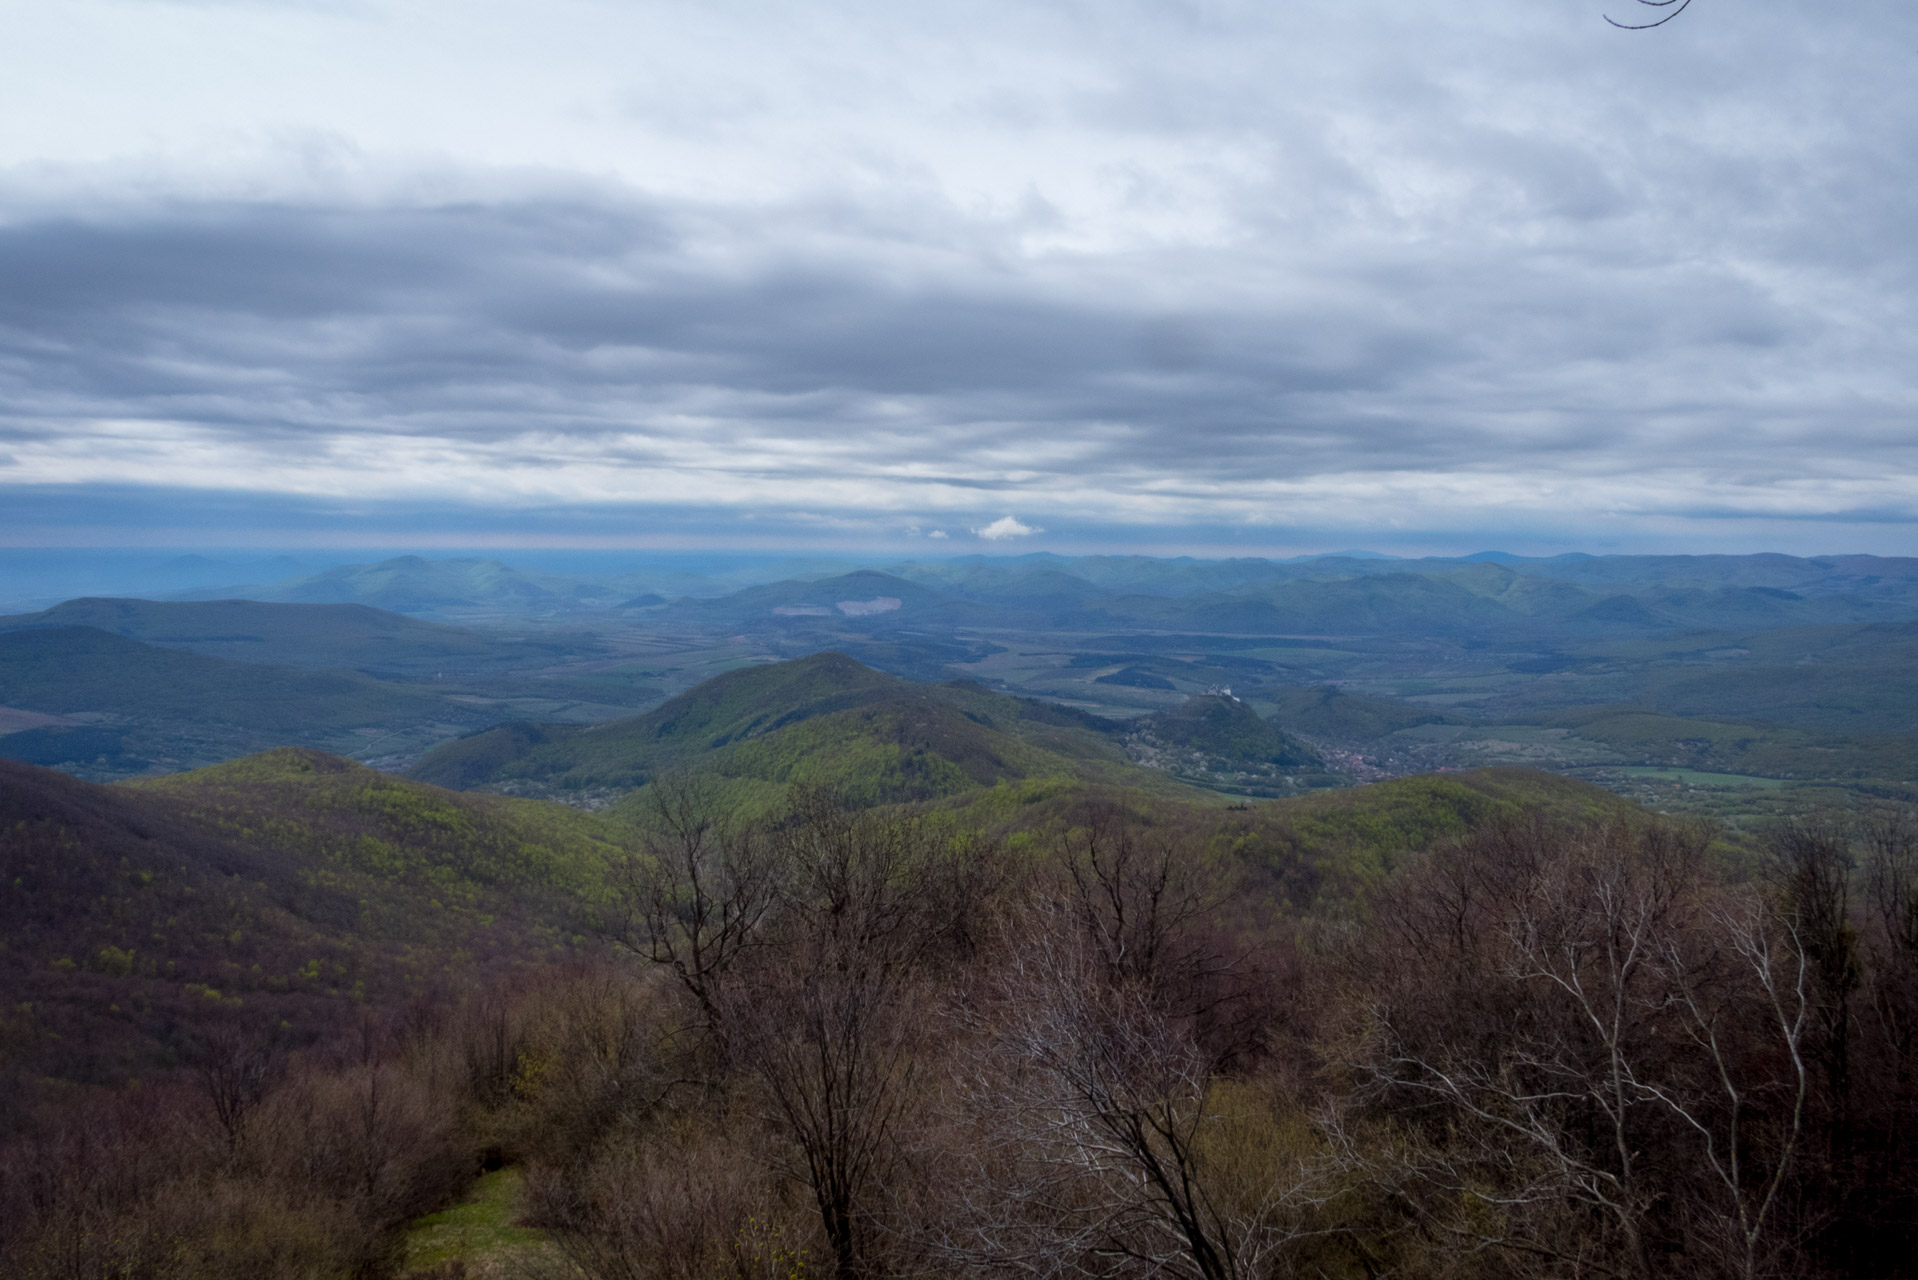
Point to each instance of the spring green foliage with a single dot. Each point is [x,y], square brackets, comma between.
[479,758]
[1317,852]
[286,888]
[364,824]
[481,1230]
[626,752]
[1226,729]
[1335,843]
[825,720]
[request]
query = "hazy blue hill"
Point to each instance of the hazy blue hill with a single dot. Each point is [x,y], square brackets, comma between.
[1385,603]
[1340,716]
[1890,645]
[64,670]
[170,708]
[1829,697]
[1743,607]
[63,744]
[33,578]
[1098,575]
[804,568]
[1350,595]
[1379,604]
[1526,596]
[1181,576]
[352,636]
[1042,588]
[1226,729]
[1620,611]
[284,890]
[1181,593]
[412,584]
[1486,599]
[1706,571]
[1855,678]
[862,600]
[1173,577]
[1868,578]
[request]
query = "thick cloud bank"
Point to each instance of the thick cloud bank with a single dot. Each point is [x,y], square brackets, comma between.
[1494,273]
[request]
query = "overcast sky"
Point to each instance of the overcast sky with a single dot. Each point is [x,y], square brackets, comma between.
[960,275]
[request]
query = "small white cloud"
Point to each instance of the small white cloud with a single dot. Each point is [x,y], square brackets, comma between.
[1007,527]
[937,533]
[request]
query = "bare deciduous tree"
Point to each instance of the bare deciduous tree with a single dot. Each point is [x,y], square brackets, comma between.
[1146,905]
[1648,1074]
[829,1015]
[235,1066]
[1813,874]
[695,900]
[1096,1146]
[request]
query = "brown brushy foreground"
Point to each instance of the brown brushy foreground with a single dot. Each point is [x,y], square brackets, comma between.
[859,1045]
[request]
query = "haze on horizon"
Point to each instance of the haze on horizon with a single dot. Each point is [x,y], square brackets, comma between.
[1199,276]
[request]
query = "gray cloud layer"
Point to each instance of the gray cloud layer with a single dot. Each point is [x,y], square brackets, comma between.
[1496,272]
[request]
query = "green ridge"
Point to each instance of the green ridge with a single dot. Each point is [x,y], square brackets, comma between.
[1226,729]
[821,720]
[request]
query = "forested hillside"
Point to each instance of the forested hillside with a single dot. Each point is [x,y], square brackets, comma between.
[285,890]
[1494,1024]
[820,721]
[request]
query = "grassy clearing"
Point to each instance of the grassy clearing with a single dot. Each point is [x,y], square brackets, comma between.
[479,1233]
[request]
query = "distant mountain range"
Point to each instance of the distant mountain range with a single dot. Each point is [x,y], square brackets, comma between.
[1390,664]
[1341,594]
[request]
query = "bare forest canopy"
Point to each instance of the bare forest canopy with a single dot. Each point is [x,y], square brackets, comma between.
[1519,1028]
